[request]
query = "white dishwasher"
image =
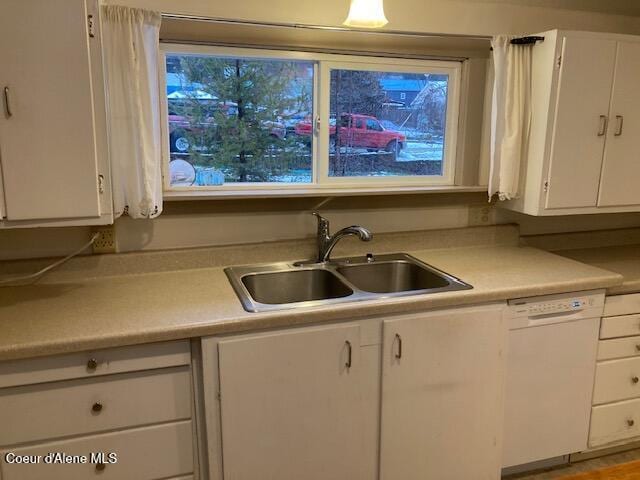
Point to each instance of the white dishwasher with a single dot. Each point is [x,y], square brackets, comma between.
[551,361]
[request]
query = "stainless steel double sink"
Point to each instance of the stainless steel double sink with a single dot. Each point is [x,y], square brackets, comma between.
[286,285]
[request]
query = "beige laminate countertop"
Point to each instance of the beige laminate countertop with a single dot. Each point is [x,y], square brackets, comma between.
[622,259]
[53,318]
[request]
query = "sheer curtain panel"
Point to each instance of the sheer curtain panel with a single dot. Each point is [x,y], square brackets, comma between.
[131,46]
[510,116]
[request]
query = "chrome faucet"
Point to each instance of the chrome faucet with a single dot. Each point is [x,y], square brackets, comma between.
[326,241]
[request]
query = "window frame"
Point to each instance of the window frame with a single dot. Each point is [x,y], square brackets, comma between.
[323,63]
[401,66]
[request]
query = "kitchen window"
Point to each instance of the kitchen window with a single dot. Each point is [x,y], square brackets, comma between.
[248,119]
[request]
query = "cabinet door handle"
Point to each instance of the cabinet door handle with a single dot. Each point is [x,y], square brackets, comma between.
[399,352]
[604,120]
[635,379]
[619,125]
[630,422]
[349,353]
[7,103]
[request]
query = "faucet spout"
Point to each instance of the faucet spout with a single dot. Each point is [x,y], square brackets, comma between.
[326,241]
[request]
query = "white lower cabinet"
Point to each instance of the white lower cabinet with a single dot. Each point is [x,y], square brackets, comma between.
[76,407]
[135,402]
[336,402]
[443,396]
[148,453]
[615,416]
[291,405]
[614,422]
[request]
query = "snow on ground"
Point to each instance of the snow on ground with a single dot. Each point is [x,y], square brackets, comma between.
[420,151]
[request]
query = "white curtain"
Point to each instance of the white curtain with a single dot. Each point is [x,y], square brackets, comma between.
[131,46]
[510,116]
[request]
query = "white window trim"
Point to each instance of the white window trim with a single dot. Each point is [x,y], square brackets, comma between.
[321,181]
[364,63]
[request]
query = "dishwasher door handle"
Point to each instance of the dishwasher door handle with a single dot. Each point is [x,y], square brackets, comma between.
[563,315]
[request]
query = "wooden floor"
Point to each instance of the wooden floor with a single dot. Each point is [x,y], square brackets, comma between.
[625,471]
[618,466]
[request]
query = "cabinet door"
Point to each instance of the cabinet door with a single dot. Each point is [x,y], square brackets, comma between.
[291,406]
[582,109]
[621,168]
[47,128]
[443,396]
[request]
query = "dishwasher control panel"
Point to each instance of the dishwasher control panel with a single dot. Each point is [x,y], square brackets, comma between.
[550,305]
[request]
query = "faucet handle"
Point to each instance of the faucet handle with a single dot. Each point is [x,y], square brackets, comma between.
[321,220]
[323,227]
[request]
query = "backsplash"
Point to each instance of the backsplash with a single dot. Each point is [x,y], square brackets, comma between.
[217,223]
[91,266]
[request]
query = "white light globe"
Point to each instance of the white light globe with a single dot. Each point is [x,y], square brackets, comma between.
[366,14]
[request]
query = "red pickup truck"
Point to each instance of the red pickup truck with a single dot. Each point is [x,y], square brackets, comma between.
[360,131]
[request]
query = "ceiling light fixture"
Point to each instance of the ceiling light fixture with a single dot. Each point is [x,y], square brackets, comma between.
[366,14]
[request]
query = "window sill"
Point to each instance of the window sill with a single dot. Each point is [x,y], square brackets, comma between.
[182,195]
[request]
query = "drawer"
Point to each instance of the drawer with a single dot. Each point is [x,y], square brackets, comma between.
[614,422]
[149,453]
[51,410]
[622,326]
[621,304]
[619,348]
[94,363]
[617,380]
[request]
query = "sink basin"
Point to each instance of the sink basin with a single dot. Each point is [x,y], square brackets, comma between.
[392,276]
[295,286]
[285,285]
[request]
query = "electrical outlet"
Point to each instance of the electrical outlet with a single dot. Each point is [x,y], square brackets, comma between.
[106,242]
[480,215]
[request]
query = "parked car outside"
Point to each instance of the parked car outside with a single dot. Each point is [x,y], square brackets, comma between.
[180,126]
[359,131]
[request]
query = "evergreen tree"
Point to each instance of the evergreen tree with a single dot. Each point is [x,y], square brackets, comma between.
[356,91]
[241,129]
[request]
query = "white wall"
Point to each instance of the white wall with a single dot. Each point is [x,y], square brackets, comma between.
[477,17]
[207,226]
[193,230]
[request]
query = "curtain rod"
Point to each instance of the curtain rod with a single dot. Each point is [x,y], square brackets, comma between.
[306,26]
[526,40]
[335,51]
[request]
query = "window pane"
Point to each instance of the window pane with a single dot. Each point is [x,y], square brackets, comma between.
[239,120]
[387,124]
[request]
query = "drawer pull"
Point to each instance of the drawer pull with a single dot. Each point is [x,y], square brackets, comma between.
[92,364]
[635,379]
[638,347]
[96,407]
[100,466]
[630,422]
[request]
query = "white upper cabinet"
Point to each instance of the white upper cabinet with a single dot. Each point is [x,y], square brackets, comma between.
[585,128]
[580,125]
[53,147]
[621,168]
